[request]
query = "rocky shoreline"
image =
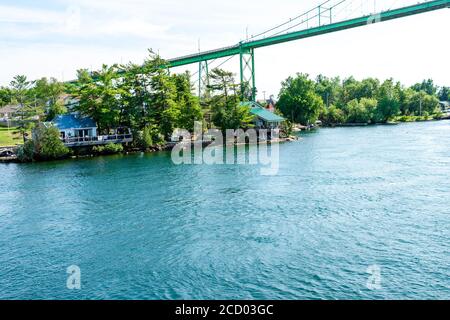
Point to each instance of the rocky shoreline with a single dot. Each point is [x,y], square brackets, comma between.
[12,158]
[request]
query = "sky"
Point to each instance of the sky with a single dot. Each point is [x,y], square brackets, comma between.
[54,38]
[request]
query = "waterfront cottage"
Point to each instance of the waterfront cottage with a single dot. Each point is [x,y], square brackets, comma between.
[78,131]
[75,126]
[445,106]
[264,119]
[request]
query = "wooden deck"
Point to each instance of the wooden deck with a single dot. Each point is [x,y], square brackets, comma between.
[99,140]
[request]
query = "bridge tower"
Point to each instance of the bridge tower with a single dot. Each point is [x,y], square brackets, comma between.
[247,73]
[203,79]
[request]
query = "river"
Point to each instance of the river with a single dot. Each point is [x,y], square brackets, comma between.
[349,208]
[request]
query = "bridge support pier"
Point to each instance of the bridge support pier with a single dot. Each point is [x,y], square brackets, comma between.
[203,79]
[247,73]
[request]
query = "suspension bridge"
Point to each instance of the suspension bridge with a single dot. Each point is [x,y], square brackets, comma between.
[329,16]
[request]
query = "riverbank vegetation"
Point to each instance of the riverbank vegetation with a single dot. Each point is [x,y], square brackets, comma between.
[152,102]
[45,145]
[349,101]
[145,98]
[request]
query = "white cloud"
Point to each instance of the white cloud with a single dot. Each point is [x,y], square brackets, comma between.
[12,14]
[84,33]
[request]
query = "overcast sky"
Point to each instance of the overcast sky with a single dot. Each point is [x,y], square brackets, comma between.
[54,38]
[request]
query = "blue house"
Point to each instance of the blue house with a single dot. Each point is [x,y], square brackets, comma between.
[75,126]
[78,131]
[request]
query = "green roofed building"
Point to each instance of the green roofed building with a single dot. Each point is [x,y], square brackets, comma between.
[264,119]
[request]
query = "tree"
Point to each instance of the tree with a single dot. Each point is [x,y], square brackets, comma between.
[47,94]
[361,111]
[5,96]
[227,111]
[333,115]
[444,94]
[135,99]
[367,88]
[298,100]
[45,145]
[427,86]
[20,88]
[99,96]
[328,89]
[164,111]
[388,101]
[190,110]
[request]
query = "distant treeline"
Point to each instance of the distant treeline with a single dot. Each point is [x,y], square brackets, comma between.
[336,101]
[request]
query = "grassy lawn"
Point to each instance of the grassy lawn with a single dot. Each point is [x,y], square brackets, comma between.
[10,137]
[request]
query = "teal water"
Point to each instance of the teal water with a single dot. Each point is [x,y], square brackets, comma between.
[140,227]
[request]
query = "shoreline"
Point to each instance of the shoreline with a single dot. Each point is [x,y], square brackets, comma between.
[167,147]
[389,123]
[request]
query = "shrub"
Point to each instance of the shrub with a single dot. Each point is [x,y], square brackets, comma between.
[110,148]
[333,115]
[46,145]
[438,115]
[25,153]
[146,139]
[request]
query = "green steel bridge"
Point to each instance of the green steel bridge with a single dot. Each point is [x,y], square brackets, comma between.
[317,21]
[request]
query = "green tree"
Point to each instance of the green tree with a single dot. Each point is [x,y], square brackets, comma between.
[227,111]
[298,100]
[164,111]
[427,86]
[47,94]
[20,89]
[99,96]
[388,101]
[328,89]
[190,110]
[47,143]
[332,115]
[5,96]
[367,88]
[362,111]
[444,94]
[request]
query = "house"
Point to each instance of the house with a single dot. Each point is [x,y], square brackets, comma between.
[74,126]
[445,106]
[9,112]
[264,119]
[270,104]
[78,131]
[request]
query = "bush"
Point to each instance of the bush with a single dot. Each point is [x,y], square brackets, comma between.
[110,148]
[286,129]
[333,115]
[358,112]
[438,115]
[46,145]
[145,139]
[406,118]
[25,153]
